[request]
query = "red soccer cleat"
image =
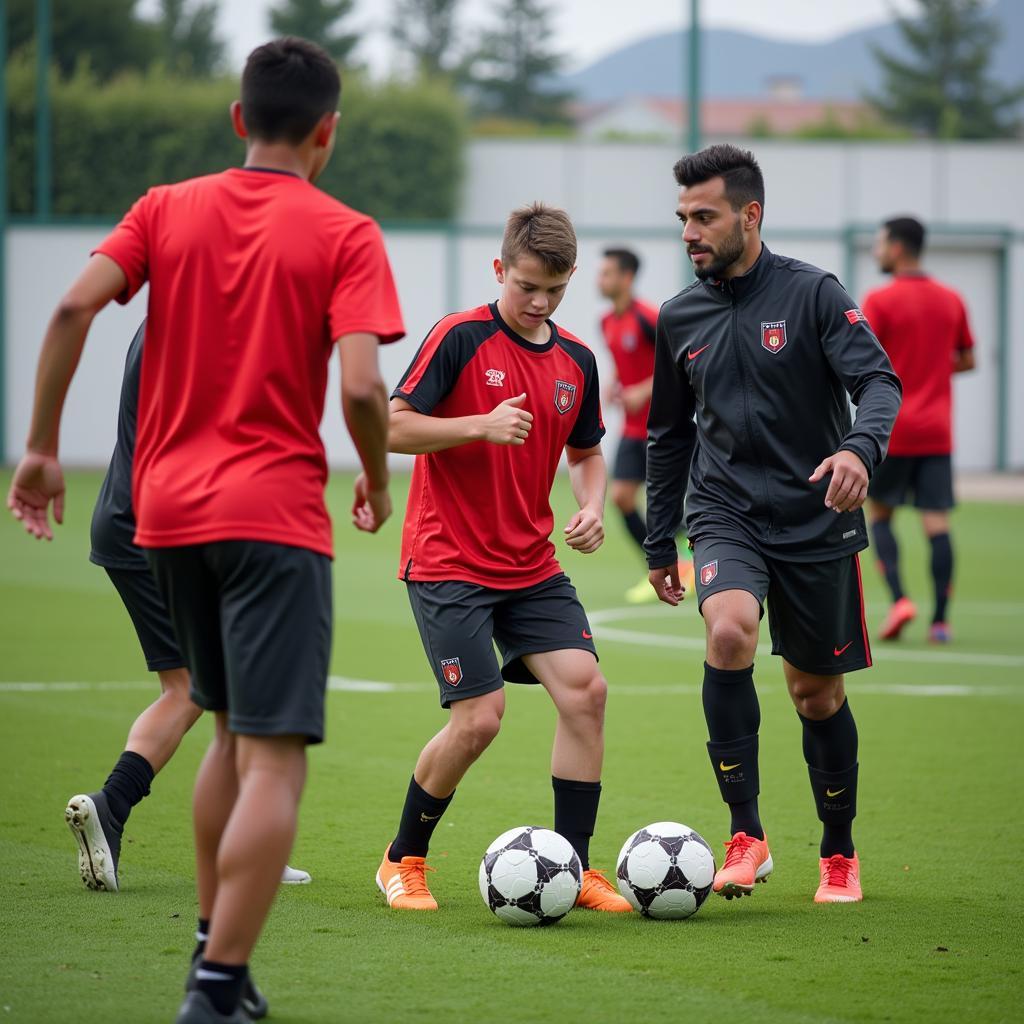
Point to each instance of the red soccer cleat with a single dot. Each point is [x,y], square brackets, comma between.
[747,861]
[901,614]
[840,880]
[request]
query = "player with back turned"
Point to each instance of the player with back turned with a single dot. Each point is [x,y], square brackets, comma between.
[492,399]
[254,277]
[764,350]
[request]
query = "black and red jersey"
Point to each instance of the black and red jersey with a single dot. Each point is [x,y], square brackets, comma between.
[481,512]
[630,339]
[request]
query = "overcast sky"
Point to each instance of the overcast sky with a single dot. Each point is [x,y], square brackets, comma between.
[587,29]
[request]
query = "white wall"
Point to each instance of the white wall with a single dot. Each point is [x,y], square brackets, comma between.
[617,194]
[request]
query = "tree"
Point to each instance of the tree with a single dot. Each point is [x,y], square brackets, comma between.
[425,29]
[316,20]
[944,88]
[511,73]
[188,37]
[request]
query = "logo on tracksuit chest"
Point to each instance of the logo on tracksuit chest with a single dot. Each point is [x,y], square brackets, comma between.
[773,335]
[565,396]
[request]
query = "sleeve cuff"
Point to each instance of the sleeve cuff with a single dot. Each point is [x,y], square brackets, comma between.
[414,400]
[663,557]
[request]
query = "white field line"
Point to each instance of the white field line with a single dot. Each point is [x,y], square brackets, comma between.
[879,651]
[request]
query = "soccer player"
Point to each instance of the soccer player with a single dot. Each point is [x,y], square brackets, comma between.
[491,400]
[97,820]
[255,275]
[628,329]
[765,350]
[923,328]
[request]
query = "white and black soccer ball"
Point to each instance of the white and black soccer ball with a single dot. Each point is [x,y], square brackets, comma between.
[665,870]
[530,876]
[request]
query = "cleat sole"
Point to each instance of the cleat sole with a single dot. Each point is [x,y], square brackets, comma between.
[95,862]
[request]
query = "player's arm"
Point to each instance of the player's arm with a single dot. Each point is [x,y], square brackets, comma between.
[859,361]
[636,396]
[416,433]
[38,480]
[963,358]
[671,434]
[589,477]
[364,403]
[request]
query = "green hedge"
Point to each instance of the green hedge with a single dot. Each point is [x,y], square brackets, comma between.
[399,153]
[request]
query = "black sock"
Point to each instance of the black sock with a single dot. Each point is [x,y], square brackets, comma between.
[636,526]
[223,984]
[202,934]
[830,749]
[888,552]
[420,816]
[733,714]
[942,573]
[127,784]
[576,813]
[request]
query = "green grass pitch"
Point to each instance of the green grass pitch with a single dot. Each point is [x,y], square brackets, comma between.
[938,937]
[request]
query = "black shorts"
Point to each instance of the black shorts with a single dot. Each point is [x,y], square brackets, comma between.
[149,616]
[460,622]
[631,460]
[815,609]
[254,620]
[928,477]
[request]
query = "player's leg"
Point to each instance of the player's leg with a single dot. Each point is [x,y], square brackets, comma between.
[888,490]
[455,622]
[627,478]
[933,496]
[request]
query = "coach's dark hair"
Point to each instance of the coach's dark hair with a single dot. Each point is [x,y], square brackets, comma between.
[287,86]
[628,261]
[908,231]
[737,167]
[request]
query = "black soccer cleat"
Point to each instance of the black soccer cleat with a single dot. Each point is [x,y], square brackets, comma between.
[99,840]
[197,1009]
[253,1001]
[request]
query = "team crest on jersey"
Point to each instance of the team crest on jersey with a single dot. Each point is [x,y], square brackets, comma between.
[773,335]
[856,316]
[496,378]
[629,341]
[565,396]
[451,669]
[708,572]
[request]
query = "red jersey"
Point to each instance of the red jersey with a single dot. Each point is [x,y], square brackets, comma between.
[253,274]
[630,339]
[922,325]
[481,512]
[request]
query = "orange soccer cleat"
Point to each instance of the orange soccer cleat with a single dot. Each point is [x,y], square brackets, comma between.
[404,883]
[687,576]
[901,614]
[840,880]
[747,860]
[599,894]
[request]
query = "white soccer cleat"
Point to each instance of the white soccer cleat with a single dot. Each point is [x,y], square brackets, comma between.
[293,876]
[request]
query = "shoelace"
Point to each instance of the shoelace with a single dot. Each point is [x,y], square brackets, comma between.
[596,879]
[737,848]
[837,870]
[414,879]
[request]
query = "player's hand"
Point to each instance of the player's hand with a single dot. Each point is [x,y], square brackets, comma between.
[613,393]
[849,484]
[508,422]
[634,398]
[37,481]
[371,508]
[585,531]
[666,584]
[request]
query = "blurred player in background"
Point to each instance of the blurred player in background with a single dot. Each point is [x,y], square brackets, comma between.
[628,329]
[255,275]
[765,350]
[923,327]
[492,399]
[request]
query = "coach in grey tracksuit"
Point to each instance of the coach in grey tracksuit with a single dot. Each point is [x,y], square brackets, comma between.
[763,350]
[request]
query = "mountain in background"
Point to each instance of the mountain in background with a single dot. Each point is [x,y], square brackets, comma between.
[738,64]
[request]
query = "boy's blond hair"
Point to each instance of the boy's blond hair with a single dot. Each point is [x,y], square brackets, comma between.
[541,231]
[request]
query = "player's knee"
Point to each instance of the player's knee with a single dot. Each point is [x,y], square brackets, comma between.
[476,731]
[624,498]
[586,701]
[731,641]
[817,697]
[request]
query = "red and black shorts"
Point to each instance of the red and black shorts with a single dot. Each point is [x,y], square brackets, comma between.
[815,609]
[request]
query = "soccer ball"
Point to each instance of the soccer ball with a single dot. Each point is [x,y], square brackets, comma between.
[665,870]
[530,876]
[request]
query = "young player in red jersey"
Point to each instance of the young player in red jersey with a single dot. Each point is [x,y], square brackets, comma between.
[491,400]
[628,329]
[254,276]
[923,328]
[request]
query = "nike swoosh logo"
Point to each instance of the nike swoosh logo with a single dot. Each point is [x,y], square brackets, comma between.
[693,355]
[429,817]
[587,636]
[828,792]
[728,767]
[839,650]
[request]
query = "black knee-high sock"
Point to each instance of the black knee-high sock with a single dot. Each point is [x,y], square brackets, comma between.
[636,526]
[223,984]
[127,784]
[420,816]
[576,813]
[830,749]
[888,552]
[202,934]
[734,716]
[942,573]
